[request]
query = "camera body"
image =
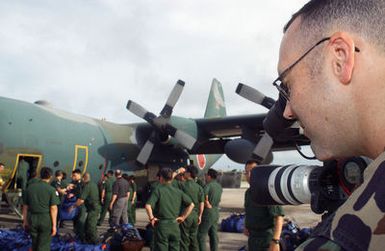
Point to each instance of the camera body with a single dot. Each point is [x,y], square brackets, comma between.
[324,187]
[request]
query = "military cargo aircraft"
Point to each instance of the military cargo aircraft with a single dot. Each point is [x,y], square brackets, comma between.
[44,136]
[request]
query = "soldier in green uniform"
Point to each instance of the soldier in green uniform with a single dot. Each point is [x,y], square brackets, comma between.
[59,184]
[40,211]
[263,224]
[33,178]
[22,174]
[210,217]
[132,201]
[106,195]
[76,188]
[163,208]
[61,188]
[90,198]
[189,228]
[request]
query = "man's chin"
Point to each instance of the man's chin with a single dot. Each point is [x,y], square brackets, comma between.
[321,153]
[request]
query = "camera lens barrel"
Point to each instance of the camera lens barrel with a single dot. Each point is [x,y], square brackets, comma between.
[284,185]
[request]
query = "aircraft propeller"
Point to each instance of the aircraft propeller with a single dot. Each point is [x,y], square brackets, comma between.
[265,143]
[162,127]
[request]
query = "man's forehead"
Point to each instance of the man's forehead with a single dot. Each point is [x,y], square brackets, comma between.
[290,46]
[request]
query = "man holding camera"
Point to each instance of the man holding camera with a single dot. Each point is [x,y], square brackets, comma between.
[331,67]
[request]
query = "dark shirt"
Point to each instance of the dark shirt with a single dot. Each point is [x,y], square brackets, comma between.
[120,188]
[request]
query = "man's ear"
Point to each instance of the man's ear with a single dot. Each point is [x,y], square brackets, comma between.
[343,48]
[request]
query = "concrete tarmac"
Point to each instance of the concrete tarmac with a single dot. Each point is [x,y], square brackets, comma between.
[232,201]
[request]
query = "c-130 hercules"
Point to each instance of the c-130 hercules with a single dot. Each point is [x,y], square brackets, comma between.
[44,136]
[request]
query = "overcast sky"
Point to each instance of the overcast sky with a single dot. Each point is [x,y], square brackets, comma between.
[90,57]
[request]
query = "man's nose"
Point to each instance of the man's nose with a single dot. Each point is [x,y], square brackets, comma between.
[288,112]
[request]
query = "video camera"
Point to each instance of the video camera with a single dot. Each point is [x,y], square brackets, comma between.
[324,187]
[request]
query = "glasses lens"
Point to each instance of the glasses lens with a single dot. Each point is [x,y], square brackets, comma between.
[282,89]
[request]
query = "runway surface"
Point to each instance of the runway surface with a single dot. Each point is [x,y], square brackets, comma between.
[232,201]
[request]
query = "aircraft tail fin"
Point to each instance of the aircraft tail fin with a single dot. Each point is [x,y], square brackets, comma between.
[216,103]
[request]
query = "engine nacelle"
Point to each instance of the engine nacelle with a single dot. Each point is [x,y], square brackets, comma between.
[241,150]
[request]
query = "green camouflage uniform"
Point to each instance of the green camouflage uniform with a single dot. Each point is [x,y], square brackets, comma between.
[259,221]
[189,228]
[210,217]
[359,224]
[90,195]
[166,202]
[39,198]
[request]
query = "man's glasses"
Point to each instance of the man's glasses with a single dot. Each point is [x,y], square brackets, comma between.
[278,83]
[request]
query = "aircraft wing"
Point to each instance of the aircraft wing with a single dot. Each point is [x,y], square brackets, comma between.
[215,133]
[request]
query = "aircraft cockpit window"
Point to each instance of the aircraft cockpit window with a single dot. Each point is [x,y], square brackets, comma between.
[56,163]
[81,163]
[101,166]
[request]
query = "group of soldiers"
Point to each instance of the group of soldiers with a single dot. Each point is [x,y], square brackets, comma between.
[182,211]
[42,199]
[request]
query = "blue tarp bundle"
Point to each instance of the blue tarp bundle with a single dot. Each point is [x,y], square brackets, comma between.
[19,240]
[14,240]
[63,210]
[235,223]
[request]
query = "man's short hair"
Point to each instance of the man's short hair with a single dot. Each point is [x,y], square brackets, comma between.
[252,161]
[78,171]
[110,172]
[212,173]
[33,173]
[58,173]
[193,170]
[118,172]
[321,18]
[45,173]
[1,164]
[125,176]
[166,173]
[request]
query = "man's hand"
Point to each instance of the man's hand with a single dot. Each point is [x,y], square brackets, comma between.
[246,231]
[153,221]
[273,246]
[110,207]
[53,231]
[180,219]
[199,219]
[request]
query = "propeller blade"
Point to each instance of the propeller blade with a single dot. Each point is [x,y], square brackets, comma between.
[172,99]
[139,111]
[254,95]
[145,152]
[263,148]
[185,139]
[182,137]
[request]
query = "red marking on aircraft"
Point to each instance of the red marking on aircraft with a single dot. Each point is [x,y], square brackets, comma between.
[201,158]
